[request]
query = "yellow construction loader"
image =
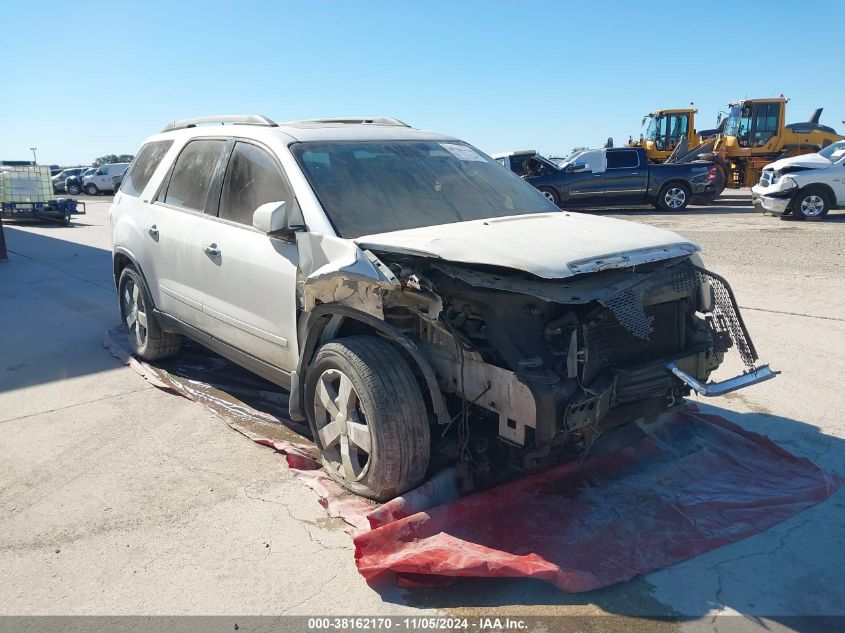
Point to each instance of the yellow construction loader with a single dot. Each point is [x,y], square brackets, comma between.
[753,133]
[665,129]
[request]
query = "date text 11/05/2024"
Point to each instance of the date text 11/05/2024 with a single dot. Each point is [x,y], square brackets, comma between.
[415,624]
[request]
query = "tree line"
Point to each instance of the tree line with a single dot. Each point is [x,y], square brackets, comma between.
[108,159]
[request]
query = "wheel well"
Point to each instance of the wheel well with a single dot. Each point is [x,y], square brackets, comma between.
[669,183]
[120,262]
[827,189]
[324,326]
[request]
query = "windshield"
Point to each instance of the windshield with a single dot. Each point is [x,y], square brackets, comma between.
[380,186]
[834,151]
[739,122]
[569,160]
[651,130]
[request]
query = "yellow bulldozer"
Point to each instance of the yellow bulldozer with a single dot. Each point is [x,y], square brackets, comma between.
[752,134]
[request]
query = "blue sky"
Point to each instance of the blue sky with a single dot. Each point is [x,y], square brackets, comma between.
[86,79]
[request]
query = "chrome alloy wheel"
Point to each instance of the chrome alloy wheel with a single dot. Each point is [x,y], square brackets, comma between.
[548,195]
[812,206]
[344,434]
[675,198]
[134,312]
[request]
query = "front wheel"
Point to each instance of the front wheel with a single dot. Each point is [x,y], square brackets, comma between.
[673,197]
[811,204]
[91,189]
[368,417]
[73,189]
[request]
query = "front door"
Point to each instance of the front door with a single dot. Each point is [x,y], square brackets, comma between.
[625,180]
[248,279]
[584,180]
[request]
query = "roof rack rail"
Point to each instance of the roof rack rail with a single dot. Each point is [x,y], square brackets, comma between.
[357,120]
[239,119]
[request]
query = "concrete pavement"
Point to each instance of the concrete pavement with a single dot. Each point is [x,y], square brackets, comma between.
[117,498]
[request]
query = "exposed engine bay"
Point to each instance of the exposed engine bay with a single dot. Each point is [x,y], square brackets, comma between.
[552,364]
[533,370]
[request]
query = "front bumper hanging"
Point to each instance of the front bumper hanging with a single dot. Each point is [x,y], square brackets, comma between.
[713,389]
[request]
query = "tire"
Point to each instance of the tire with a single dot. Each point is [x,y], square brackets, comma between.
[811,203]
[385,406]
[73,189]
[91,189]
[673,196]
[550,195]
[148,342]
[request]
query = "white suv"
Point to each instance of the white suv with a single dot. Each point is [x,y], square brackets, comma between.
[421,303]
[806,186]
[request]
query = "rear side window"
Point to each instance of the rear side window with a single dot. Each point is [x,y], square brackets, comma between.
[193,174]
[252,178]
[624,158]
[142,168]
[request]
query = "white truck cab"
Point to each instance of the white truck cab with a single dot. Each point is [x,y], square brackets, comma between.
[806,186]
[103,178]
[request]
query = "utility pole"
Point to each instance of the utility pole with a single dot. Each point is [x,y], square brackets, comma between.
[34,159]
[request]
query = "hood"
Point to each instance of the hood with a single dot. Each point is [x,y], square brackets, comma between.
[548,245]
[806,161]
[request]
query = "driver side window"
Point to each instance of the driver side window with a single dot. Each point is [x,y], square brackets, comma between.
[252,178]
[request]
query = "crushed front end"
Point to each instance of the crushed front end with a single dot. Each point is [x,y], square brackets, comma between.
[549,365]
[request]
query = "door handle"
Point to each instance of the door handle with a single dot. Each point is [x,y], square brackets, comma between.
[211,250]
[153,231]
[635,173]
[596,175]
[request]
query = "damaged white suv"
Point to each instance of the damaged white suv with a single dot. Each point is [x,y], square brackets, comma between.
[421,303]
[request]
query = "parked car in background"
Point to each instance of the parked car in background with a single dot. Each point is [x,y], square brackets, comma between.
[409,292]
[60,179]
[103,178]
[806,186]
[73,185]
[613,177]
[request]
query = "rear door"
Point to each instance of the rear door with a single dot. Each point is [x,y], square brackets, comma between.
[176,223]
[247,278]
[625,180]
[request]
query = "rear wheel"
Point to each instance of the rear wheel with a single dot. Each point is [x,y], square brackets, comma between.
[368,417]
[674,196]
[811,204]
[91,189]
[146,338]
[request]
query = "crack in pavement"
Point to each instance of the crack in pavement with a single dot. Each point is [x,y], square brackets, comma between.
[64,271]
[717,567]
[78,404]
[800,314]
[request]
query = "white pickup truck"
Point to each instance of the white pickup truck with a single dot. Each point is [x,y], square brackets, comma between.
[807,186]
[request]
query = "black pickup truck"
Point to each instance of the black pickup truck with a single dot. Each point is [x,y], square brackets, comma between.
[614,177]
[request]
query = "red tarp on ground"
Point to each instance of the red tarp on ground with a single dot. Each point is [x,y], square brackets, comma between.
[695,483]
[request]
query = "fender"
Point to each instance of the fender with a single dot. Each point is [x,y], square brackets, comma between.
[121,250]
[315,324]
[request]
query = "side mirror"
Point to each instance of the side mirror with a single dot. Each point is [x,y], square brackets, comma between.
[578,167]
[273,218]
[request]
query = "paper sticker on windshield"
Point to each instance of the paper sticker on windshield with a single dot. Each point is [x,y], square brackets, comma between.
[462,152]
